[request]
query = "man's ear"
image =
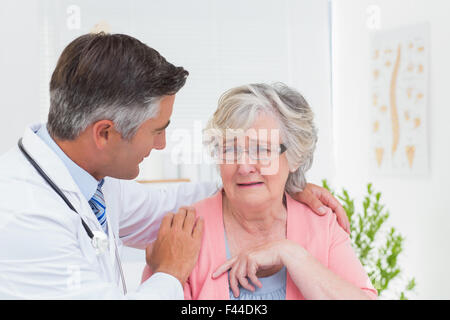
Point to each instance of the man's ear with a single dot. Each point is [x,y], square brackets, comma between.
[103,132]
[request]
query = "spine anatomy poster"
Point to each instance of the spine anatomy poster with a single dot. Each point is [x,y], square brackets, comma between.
[399,101]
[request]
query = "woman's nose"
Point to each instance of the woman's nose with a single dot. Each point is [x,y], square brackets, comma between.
[246,165]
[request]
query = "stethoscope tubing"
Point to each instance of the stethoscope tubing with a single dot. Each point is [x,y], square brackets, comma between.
[69,204]
[53,186]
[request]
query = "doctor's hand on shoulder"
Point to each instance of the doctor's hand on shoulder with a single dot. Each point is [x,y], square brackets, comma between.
[177,246]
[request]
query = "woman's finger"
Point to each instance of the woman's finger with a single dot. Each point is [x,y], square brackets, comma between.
[224,267]
[252,268]
[234,285]
[241,275]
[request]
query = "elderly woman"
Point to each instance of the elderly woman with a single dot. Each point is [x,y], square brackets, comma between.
[258,242]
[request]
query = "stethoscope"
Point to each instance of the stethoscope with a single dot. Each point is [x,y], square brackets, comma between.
[99,239]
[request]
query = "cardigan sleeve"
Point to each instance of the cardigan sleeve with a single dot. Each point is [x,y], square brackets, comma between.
[343,260]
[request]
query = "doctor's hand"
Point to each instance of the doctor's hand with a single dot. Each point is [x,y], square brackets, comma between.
[318,199]
[177,246]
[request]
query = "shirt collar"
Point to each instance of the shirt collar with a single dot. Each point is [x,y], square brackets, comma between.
[85,182]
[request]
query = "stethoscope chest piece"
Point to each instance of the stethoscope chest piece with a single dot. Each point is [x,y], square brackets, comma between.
[100,242]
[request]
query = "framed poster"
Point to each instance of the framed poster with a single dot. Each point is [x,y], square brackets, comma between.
[398,100]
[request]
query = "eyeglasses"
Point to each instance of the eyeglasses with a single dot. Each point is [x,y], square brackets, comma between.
[233,153]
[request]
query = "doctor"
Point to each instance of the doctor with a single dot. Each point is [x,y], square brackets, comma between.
[67,199]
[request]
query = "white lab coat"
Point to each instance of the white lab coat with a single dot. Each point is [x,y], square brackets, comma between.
[45,253]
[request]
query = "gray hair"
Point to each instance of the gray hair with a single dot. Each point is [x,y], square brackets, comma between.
[238,108]
[126,120]
[109,77]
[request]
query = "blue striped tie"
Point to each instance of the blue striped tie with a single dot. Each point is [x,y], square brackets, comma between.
[98,205]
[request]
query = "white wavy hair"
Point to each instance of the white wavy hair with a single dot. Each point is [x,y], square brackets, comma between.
[238,108]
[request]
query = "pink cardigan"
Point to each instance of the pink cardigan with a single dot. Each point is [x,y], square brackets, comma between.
[321,236]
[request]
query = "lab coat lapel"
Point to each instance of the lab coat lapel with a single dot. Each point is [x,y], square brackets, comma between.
[52,165]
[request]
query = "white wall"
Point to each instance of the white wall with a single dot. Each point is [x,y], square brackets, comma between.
[309,42]
[419,207]
[19,65]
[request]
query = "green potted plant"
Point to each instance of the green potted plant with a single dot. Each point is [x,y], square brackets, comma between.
[378,254]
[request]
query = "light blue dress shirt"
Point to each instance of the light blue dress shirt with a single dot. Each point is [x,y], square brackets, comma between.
[85,182]
[273,287]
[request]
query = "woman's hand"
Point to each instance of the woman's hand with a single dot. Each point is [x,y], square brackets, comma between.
[251,261]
